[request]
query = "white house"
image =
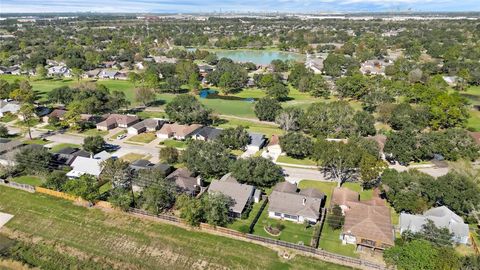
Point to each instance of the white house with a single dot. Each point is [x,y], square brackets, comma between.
[147,125]
[8,107]
[59,71]
[92,166]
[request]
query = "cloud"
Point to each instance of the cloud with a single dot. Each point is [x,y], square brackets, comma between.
[169,6]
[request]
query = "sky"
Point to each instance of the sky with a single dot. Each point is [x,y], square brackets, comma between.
[195,6]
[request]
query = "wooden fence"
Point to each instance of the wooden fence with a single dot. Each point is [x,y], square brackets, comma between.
[259,213]
[57,194]
[322,254]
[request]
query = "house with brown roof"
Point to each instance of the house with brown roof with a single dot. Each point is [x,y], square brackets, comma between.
[117,120]
[147,125]
[185,181]
[367,223]
[286,203]
[57,113]
[177,131]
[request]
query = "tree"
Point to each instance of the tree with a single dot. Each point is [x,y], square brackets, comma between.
[336,219]
[401,146]
[447,111]
[169,154]
[296,145]
[116,101]
[193,82]
[456,191]
[86,187]
[3,131]
[93,144]
[266,109]
[216,208]
[257,171]
[364,124]
[144,95]
[117,172]
[226,82]
[121,199]
[278,91]
[289,118]
[159,196]
[318,87]
[329,119]
[56,180]
[370,170]
[191,209]
[77,73]
[234,138]
[41,71]
[417,254]
[441,237]
[210,159]
[186,109]
[355,86]
[184,69]
[337,158]
[27,111]
[24,93]
[73,115]
[33,159]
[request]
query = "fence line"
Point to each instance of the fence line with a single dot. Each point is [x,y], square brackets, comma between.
[259,213]
[16,185]
[318,230]
[332,257]
[474,244]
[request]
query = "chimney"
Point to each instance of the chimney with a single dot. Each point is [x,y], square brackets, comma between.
[304,200]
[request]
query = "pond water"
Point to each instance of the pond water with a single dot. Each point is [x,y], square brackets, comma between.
[257,56]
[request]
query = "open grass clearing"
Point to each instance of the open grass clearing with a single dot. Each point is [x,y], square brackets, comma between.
[330,241]
[61,146]
[174,143]
[252,126]
[295,161]
[145,137]
[28,180]
[92,132]
[131,242]
[131,157]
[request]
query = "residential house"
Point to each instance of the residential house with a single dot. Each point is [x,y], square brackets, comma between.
[177,131]
[257,141]
[314,64]
[206,134]
[86,165]
[442,217]
[67,155]
[374,67]
[121,76]
[287,204]
[142,164]
[7,106]
[118,120]
[107,74]
[186,181]
[61,71]
[241,194]
[273,146]
[367,223]
[147,125]
[57,113]
[109,64]
[204,70]
[91,74]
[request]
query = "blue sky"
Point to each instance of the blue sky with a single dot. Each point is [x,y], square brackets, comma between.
[174,6]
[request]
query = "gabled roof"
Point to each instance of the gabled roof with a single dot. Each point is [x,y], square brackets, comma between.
[294,204]
[208,132]
[285,187]
[342,195]
[240,193]
[58,113]
[120,119]
[183,179]
[179,130]
[148,123]
[257,139]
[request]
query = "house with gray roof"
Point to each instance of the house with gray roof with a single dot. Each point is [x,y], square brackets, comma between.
[287,203]
[107,74]
[85,165]
[8,107]
[442,217]
[241,194]
[206,134]
[147,125]
[257,141]
[185,181]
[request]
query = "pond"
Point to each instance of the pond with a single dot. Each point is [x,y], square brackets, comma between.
[257,56]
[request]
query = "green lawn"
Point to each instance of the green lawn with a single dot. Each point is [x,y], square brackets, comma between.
[114,136]
[145,115]
[246,222]
[174,143]
[293,232]
[132,242]
[8,117]
[327,188]
[330,241]
[145,137]
[29,180]
[291,160]
[474,120]
[237,152]
[105,187]
[61,146]
[251,126]
[131,157]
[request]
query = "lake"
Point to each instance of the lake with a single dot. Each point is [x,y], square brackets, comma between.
[257,56]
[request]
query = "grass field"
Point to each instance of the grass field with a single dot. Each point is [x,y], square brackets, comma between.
[292,232]
[473,96]
[145,137]
[295,161]
[129,242]
[251,126]
[238,223]
[61,146]
[29,180]
[330,241]
[131,157]
[174,143]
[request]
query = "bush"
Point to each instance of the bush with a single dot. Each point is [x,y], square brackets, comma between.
[244,229]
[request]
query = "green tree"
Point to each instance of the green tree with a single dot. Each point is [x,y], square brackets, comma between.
[33,159]
[117,172]
[216,208]
[234,138]
[257,171]
[266,109]
[193,82]
[86,187]
[364,124]
[93,144]
[289,118]
[144,95]
[370,170]
[169,154]
[210,159]
[186,109]
[27,112]
[417,254]
[336,219]
[296,145]
[3,131]
[121,199]
[278,91]
[77,73]
[56,180]
[191,209]
[447,111]
[402,146]
[159,196]
[41,71]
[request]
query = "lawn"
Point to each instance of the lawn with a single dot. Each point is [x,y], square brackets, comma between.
[37,141]
[174,143]
[327,188]
[8,117]
[145,137]
[61,146]
[131,242]
[330,241]
[29,180]
[131,157]
[294,161]
[251,126]
[238,223]
[146,114]
[474,120]
[293,232]
[105,187]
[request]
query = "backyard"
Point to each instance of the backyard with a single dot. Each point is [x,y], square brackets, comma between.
[28,180]
[240,224]
[132,242]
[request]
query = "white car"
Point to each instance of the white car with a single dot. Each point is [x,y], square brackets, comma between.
[121,136]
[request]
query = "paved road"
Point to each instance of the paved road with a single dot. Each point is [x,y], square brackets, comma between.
[294,175]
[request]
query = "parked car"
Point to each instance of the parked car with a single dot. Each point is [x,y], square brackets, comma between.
[121,136]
